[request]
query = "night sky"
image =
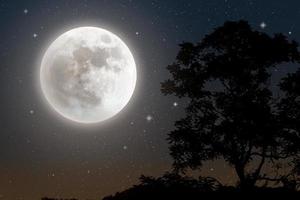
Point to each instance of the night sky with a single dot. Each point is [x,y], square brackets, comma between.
[42,154]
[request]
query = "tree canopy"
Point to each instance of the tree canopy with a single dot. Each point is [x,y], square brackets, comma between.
[233,113]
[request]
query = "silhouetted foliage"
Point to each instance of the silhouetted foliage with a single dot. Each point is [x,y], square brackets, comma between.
[174,186]
[46,198]
[232,113]
[169,186]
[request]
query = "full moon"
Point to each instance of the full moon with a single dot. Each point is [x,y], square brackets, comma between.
[88,75]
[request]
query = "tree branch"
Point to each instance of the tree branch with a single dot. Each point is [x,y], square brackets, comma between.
[270,155]
[262,162]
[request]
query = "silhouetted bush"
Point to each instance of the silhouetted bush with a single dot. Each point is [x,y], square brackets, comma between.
[169,186]
[174,186]
[46,198]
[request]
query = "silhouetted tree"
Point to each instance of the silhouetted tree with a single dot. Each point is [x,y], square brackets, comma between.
[290,118]
[232,112]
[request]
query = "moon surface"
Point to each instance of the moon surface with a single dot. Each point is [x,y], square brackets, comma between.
[88,74]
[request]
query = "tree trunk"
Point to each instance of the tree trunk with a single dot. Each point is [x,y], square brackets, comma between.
[245,183]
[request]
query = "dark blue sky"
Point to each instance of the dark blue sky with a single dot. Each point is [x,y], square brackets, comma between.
[40,154]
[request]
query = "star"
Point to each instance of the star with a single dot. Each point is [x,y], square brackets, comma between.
[31,112]
[290,32]
[35,35]
[149,118]
[263,25]
[137,33]
[25,11]
[175,104]
[125,147]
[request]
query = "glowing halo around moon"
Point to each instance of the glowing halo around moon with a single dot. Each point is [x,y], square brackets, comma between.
[88,75]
